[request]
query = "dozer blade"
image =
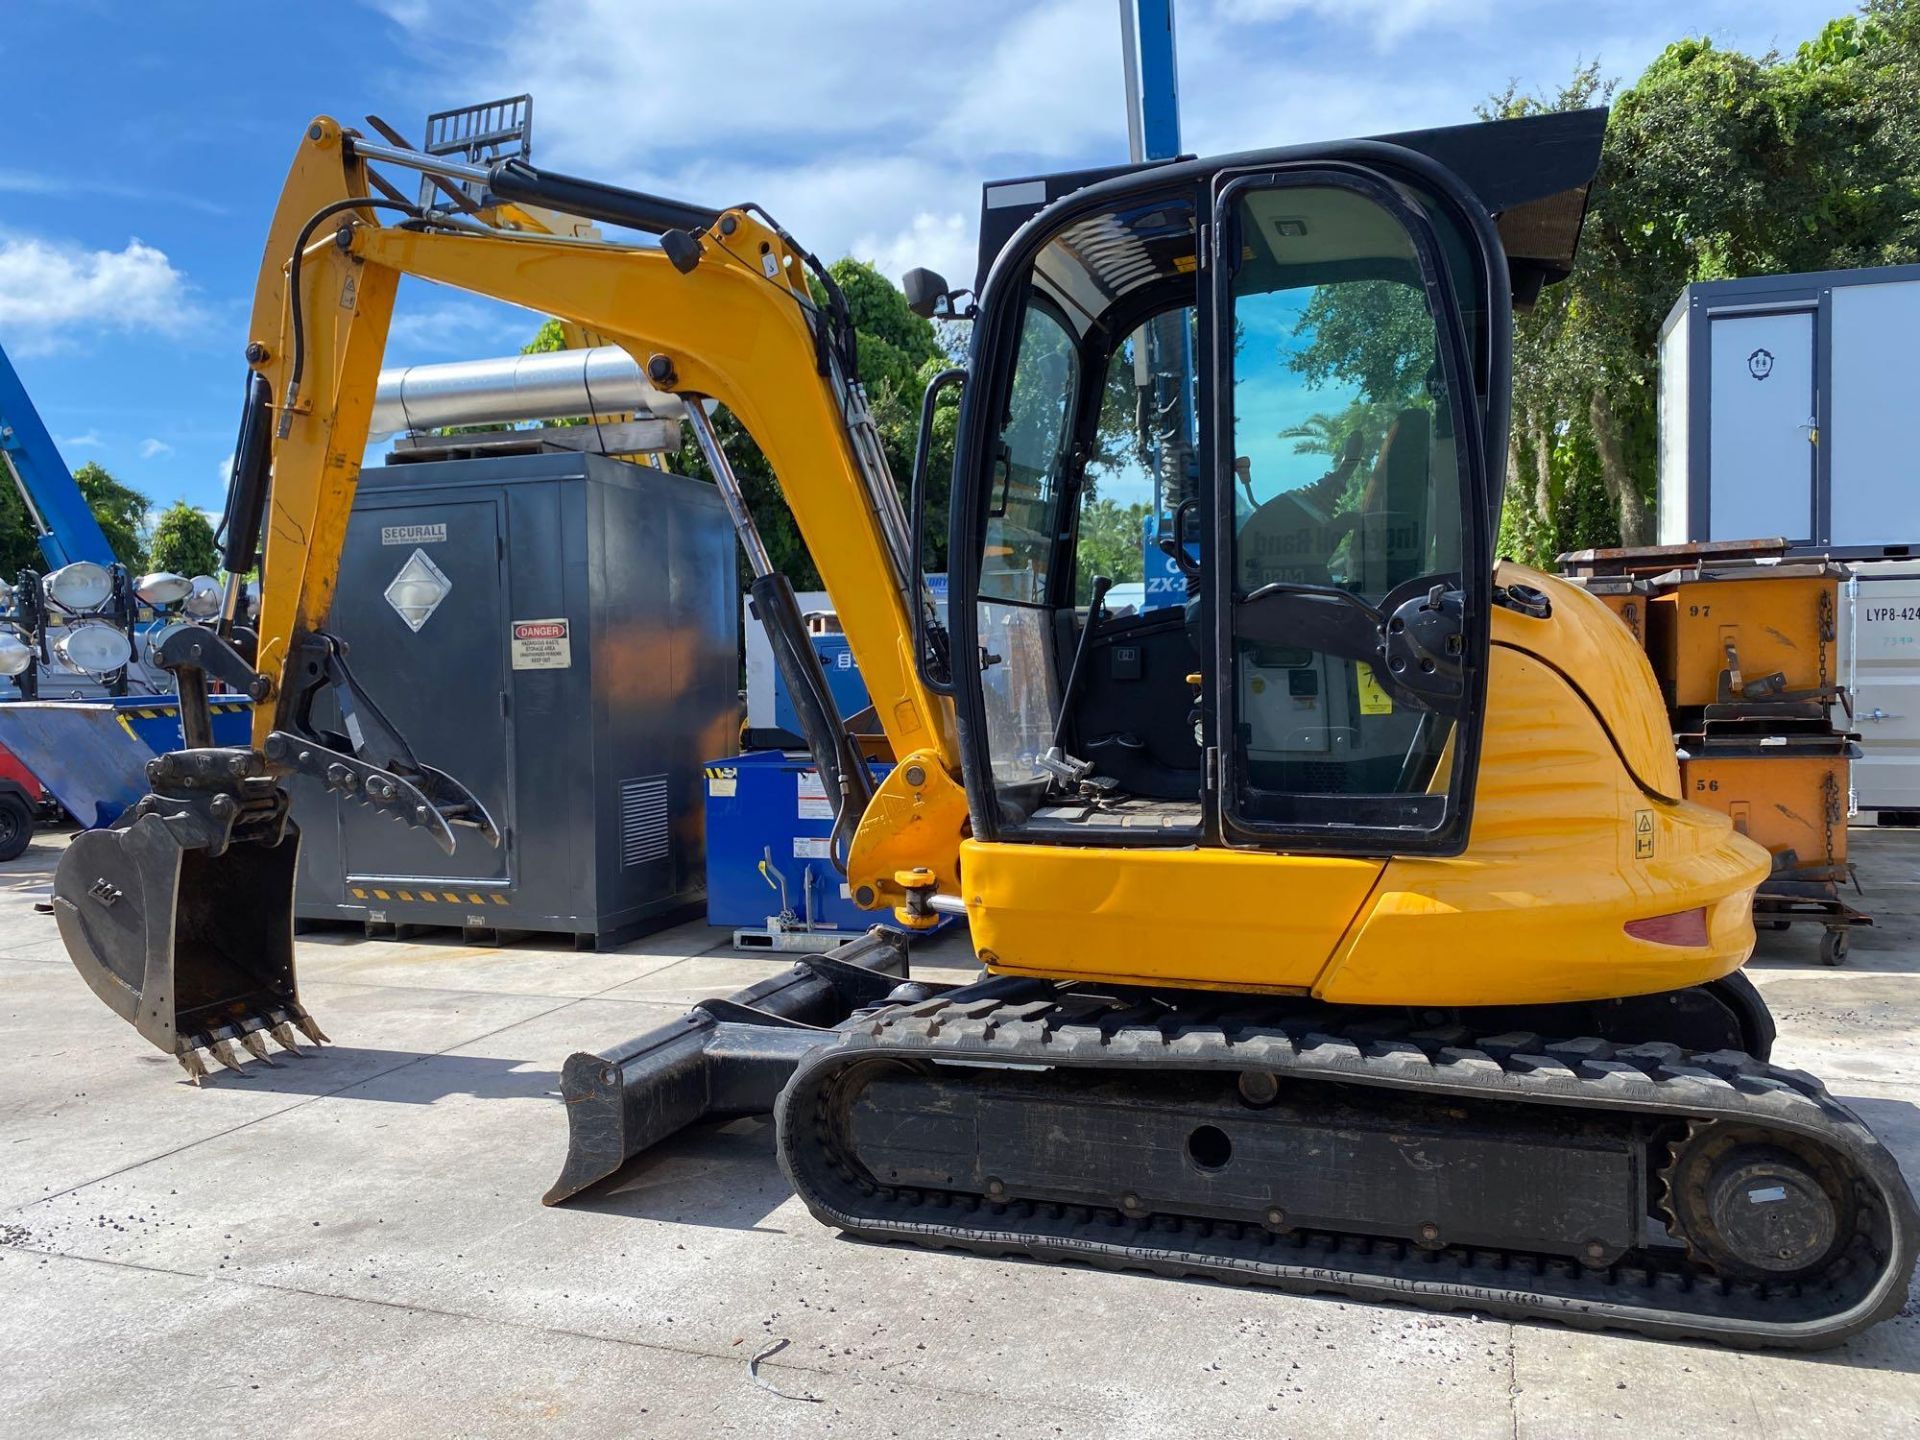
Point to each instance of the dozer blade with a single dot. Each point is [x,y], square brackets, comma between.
[722,1059]
[186,931]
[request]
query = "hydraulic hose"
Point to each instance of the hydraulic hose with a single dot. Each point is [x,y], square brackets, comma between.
[296,309]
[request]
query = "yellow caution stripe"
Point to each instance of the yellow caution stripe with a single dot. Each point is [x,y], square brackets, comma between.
[472,897]
[126,716]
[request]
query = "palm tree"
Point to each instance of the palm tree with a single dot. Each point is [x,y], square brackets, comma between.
[1330,434]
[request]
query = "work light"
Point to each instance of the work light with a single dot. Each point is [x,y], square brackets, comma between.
[15,654]
[156,636]
[163,587]
[205,600]
[79,588]
[93,646]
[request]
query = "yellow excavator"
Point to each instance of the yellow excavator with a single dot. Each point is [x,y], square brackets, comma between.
[1344,926]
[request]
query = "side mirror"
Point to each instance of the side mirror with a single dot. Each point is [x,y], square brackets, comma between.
[925,289]
[932,654]
[930,299]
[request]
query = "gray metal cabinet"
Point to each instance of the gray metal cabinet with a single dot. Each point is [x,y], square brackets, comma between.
[559,631]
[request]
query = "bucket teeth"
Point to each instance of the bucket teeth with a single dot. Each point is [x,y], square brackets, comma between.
[195,1067]
[257,1048]
[307,1028]
[284,1038]
[223,1051]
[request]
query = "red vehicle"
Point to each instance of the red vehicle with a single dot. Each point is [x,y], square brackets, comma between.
[21,800]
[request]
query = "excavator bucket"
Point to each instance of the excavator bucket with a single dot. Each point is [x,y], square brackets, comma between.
[183,923]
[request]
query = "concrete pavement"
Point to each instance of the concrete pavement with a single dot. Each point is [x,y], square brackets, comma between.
[353,1242]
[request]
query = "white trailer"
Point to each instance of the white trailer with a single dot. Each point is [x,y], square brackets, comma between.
[1787,407]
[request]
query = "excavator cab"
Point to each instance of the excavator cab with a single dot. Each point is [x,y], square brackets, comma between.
[1318,686]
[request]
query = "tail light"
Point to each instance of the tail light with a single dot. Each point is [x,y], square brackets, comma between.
[1683,927]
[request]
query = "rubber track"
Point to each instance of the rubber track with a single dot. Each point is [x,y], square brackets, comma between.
[1651,1293]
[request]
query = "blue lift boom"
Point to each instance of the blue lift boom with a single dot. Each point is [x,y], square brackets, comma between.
[1150,58]
[62,522]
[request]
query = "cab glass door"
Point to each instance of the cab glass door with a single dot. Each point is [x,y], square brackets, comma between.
[1352,520]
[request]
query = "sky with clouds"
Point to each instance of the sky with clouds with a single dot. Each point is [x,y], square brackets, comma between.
[148,140]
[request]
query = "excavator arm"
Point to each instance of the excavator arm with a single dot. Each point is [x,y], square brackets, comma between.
[727,316]
[733,322]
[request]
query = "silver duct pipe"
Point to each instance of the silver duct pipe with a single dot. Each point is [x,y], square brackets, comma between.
[604,381]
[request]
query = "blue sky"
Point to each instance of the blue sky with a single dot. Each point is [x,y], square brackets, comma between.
[148,140]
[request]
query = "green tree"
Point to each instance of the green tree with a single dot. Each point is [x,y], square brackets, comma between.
[551,336]
[183,542]
[899,353]
[18,549]
[1716,164]
[1374,335]
[1109,543]
[1331,434]
[120,509]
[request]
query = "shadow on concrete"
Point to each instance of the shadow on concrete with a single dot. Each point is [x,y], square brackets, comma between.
[723,1175]
[397,1077]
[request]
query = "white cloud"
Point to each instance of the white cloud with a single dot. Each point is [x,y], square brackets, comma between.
[50,290]
[867,126]
[943,243]
[1385,20]
[863,126]
[225,472]
[152,449]
[33,182]
[1051,86]
[424,325]
[89,441]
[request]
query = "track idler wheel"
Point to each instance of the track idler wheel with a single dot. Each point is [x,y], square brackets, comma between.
[1754,1205]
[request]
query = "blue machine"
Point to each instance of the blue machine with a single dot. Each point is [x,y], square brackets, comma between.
[92,754]
[843,679]
[769,819]
[843,671]
[1152,67]
[63,522]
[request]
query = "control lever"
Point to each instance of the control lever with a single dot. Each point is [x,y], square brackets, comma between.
[774,877]
[1063,767]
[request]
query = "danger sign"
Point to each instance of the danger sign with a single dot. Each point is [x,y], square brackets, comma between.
[541,645]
